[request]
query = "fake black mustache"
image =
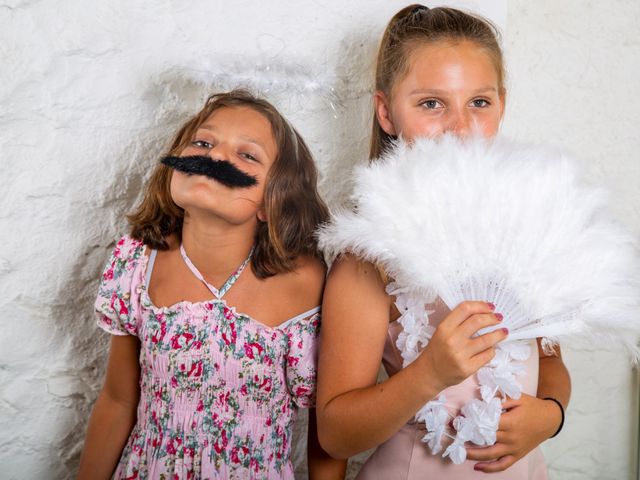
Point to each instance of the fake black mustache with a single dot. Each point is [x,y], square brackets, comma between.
[220,170]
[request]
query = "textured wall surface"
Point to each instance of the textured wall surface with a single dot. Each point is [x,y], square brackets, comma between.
[572,66]
[89,97]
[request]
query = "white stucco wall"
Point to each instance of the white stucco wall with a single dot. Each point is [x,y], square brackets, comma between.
[91,91]
[573,68]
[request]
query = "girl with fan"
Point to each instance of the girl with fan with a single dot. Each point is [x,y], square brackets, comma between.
[438,70]
[213,306]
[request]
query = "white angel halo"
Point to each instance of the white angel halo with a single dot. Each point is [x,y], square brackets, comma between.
[500,222]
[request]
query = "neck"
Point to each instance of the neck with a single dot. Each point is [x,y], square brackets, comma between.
[215,247]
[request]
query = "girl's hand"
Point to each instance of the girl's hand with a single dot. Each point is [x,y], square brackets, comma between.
[525,424]
[453,353]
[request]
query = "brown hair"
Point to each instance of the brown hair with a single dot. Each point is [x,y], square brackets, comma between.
[416,25]
[292,203]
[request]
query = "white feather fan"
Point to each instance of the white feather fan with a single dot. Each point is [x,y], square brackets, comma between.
[499,222]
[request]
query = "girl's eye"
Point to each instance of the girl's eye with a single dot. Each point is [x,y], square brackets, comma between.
[480,103]
[431,104]
[202,144]
[248,156]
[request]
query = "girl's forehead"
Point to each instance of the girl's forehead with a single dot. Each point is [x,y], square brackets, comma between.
[447,64]
[244,123]
[237,115]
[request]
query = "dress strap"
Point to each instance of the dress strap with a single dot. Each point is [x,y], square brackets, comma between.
[227,285]
[150,263]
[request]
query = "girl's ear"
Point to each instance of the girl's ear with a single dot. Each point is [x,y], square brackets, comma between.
[383,113]
[262,214]
[503,102]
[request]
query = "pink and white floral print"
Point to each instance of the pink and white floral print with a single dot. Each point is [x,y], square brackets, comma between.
[218,390]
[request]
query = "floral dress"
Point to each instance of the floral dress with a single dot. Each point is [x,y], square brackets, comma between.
[218,390]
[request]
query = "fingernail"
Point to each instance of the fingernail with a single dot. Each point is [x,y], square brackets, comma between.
[491,306]
[477,467]
[499,316]
[506,331]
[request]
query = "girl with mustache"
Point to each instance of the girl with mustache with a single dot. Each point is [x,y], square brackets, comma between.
[213,301]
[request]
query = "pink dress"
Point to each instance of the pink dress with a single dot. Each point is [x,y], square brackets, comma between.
[218,390]
[405,457]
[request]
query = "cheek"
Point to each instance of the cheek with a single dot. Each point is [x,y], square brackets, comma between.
[176,187]
[190,189]
[422,126]
[490,132]
[412,123]
[489,126]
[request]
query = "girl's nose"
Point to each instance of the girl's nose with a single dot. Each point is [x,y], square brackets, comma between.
[460,123]
[220,151]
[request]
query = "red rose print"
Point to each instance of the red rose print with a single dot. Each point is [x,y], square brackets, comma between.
[171,449]
[252,350]
[234,456]
[159,336]
[196,369]
[119,306]
[108,275]
[181,340]
[266,385]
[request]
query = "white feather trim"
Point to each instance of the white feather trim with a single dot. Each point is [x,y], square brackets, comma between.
[499,222]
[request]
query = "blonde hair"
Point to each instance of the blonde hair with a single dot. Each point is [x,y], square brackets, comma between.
[415,26]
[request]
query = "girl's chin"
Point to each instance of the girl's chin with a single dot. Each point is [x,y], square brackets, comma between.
[208,214]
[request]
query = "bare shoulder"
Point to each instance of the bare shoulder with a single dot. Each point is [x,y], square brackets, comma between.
[355,323]
[348,271]
[310,269]
[303,285]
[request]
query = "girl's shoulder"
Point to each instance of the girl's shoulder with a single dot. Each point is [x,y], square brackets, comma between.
[300,289]
[124,259]
[309,274]
[117,303]
[128,249]
[349,267]
[364,279]
[310,268]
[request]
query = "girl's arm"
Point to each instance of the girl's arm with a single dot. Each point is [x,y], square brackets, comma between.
[355,414]
[321,465]
[528,421]
[553,379]
[114,413]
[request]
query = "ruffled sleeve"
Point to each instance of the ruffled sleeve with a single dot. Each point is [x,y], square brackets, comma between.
[302,358]
[116,303]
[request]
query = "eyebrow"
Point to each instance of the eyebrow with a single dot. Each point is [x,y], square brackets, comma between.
[435,91]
